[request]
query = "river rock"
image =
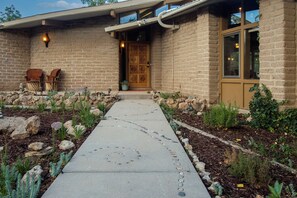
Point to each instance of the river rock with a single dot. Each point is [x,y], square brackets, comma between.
[9,124]
[200,166]
[48,150]
[183,106]
[33,124]
[33,174]
[96,112]
[27,128]
[65,145]
[36,146]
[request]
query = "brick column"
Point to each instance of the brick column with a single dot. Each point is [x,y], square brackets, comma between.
[278,48]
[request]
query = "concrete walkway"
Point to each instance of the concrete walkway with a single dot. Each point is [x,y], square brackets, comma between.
[132,154]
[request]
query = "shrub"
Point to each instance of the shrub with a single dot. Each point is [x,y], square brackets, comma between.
[55,168]
[8,177]
[263,108]
[250,169]
[287,121]
[221,116]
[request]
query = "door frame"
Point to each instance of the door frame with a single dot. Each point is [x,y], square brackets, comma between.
[148,87]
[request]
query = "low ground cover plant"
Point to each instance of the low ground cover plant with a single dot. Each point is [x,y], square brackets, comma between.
[251,169]
[174,95]
[222,116]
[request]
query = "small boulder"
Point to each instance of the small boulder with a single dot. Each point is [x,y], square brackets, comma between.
[9,124]
[200,166]
[36,146]
[183,106]
[57,125]
[68,124]
[33,124]
[33,174]
[65,145]
[96,112]
[48,150]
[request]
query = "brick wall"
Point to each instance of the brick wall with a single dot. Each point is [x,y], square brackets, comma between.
[14,58]
[156,57]
[278,48]
[190,56]
[87,55]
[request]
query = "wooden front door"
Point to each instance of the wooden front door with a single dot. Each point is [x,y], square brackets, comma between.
[138,65]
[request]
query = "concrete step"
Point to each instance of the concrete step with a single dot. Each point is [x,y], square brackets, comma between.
[134,95]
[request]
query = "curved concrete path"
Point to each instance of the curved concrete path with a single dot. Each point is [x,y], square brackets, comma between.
[132,154]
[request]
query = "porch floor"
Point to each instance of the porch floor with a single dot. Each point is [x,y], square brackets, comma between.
[133,153]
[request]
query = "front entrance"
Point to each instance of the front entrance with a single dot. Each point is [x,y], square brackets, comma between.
[138,66]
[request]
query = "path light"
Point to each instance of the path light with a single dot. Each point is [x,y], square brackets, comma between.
[46,39]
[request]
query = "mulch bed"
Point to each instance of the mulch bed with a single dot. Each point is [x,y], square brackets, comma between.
[212,153]
[17,148]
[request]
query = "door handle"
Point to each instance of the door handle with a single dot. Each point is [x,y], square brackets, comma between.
[148,64]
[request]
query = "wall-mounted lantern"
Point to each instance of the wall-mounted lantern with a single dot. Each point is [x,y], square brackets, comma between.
[123,44]
[46,39]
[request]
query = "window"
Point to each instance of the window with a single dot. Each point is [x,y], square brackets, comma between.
[252,55]
[232,55]
[161,9]
[128,17]
[240,39]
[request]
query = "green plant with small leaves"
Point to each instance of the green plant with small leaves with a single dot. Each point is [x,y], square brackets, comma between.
[2,104]
[276,190]
[8,177]
[174,96]
[27,189]
[168,112]
[102,107]
[41,107]
[291,190]
[218,189]
[86,117]
[62,133]
[78,133]
[251,169]
[55,168]
[221,116]
[263,108]
[22,166]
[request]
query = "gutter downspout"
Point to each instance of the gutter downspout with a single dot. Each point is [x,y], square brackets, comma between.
[173,27]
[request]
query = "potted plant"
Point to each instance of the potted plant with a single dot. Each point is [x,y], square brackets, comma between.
[125,85]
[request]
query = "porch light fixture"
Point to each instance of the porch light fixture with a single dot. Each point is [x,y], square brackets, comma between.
[46,39]
[122,44]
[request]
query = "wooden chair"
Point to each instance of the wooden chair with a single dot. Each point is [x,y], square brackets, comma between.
[34,79]
[52,80]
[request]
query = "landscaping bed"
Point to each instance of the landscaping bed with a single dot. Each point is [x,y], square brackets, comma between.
[260,141]
[39,136]
[238,155]
[17,148]
[212,153]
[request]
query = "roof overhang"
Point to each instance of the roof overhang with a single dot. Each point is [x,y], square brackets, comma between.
[79,13]
[185,9]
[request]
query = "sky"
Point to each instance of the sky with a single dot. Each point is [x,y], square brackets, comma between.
[33,7]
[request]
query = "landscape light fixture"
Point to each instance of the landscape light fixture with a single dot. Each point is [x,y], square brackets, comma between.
[46,39]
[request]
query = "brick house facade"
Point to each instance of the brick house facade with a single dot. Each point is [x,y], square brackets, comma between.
[185,60]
